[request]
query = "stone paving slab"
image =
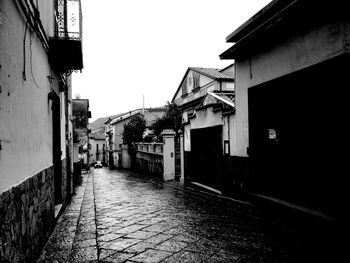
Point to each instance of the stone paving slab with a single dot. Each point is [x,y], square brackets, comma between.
[119,216]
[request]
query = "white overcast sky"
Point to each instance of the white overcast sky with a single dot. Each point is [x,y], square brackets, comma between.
[133,48]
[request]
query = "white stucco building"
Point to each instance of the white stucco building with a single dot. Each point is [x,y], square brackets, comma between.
[114,131]
[97,141]
[35,128]
[205,97]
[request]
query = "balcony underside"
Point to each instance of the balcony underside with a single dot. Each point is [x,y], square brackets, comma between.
[66,54]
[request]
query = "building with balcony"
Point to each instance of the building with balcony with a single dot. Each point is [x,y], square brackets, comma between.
[205,97]
[35,130]
[292,69]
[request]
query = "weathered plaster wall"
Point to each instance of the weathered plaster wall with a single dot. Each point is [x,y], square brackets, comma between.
[207,118]
[118,131]
[228,131]
[149,163]
[311,45]
[63,126]
[46,7]
[227,86]
[126,158]
[94,144]
[204,80]
[25,111]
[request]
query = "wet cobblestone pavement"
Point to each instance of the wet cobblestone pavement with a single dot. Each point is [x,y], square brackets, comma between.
[119,216]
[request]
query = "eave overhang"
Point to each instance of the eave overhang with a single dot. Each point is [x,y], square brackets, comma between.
[279,19]
[260,25]
[263,16]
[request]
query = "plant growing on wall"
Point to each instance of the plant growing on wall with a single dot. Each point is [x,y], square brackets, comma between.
[75,137]
[133,130]
[170,120]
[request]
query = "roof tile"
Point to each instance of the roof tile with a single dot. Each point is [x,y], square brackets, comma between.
[212,72]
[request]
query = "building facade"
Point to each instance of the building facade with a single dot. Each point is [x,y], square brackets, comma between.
[82,147]
[290,121]
[98,146]
[35,131]
[205,98]
[115,127]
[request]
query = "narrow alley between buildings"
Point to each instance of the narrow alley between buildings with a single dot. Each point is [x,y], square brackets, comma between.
[120,216]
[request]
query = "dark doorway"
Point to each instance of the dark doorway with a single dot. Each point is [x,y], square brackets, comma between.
[206,152]
[296,132]
[177,157]
[111,160]
[56,147]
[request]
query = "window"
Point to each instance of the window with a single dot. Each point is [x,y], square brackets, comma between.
[195,80]
[184,87]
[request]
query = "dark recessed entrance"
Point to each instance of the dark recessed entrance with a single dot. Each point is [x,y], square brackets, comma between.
[297,130]
[206,152]
[56,147]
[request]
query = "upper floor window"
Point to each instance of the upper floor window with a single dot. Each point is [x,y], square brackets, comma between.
[184,87]
[68,19]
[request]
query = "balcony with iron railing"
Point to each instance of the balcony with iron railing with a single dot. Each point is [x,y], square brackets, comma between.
[66,46]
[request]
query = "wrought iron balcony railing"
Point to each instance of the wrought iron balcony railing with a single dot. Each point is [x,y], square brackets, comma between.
[68,19]
[66,46]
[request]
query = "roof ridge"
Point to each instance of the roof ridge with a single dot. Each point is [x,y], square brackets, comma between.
[205,68]
[221,70]
[212,72]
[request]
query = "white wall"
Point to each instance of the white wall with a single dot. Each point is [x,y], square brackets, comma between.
[187,137]
[204,118]
[227,86]
[94,144]
[46,7]
[228,132]
[92,150]
[118,137]
[309,47]
[70,124]
[126,158]
[204,80]
[25,112]
[63,126]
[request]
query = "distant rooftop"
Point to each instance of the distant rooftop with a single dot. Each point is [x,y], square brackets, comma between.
[150,115]
[213,73]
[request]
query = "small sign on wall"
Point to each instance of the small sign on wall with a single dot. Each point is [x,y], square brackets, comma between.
[226,147]
[273,135]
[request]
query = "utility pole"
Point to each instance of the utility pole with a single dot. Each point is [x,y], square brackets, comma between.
[143,104]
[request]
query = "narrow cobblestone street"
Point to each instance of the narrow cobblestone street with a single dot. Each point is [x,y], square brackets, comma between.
[119,216]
